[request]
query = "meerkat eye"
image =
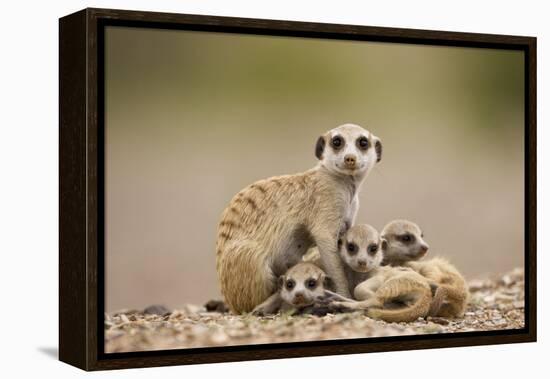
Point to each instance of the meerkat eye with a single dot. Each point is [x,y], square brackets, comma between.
[407,238]
[337,142]
[352,248]
[290,284]
[363,143]
[373,248]
[311,283]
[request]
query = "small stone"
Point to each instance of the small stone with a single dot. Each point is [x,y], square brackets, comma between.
[219,338]
[439,320]
[518,304]
[124,318]
[156,310]
[216,306]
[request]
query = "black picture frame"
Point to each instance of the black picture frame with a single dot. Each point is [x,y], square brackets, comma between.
[81,185]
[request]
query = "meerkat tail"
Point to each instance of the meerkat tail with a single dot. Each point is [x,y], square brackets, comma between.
[451,302]
[395,289]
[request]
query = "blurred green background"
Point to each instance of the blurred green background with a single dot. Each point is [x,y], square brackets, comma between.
[193,117]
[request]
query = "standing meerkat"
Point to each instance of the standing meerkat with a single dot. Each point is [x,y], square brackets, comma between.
[269,225]
[388,293]
[406,246]
[300,287]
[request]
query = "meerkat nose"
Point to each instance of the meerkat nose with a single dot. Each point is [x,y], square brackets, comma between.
[362,263]
[424,247]
[350,160]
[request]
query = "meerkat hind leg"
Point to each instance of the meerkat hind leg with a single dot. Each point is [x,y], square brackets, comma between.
[329,295]
[357,305]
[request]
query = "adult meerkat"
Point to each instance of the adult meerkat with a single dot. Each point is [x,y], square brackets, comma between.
[299,288]
[384,292]
[269,225]
[406,246]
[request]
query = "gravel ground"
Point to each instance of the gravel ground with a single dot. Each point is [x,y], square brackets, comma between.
[496,303]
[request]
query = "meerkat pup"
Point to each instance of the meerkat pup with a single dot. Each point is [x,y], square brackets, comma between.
[269,225]
[357,248]
[300,287]
[388,293]
[406,246]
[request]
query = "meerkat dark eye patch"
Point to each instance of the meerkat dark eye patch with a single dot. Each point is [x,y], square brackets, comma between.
[407,238]
[290,284]
[372,249]
[337,143]
[320,147]
[352,248]
[363,143]
[311,283]
[378,149]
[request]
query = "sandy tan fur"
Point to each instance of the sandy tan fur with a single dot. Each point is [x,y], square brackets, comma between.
[387,293]
[285,300]
[451,294]
[269,225]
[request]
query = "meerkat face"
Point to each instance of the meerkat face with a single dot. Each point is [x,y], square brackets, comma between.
[349,149]
[302,284]
[404,241]
[360,248]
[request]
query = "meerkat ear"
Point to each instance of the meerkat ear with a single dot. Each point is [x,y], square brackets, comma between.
[339,243]
[320,147]
[384,244]
[328,283]
[280,282]
[378,149]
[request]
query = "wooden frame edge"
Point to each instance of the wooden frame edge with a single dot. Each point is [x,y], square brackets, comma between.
[79,186]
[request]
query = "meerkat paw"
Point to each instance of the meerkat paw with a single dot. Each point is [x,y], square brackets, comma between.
[342,306]
[260,312]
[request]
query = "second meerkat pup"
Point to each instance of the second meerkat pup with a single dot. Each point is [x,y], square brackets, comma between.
[269,225]
[358,249]
[406,246]
[300,287]
[387,293]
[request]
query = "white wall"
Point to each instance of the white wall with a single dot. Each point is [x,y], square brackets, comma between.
[28,201]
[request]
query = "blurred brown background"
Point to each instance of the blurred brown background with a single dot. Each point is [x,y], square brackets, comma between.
[192,118]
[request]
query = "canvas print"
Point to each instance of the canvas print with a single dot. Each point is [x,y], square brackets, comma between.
[270,189]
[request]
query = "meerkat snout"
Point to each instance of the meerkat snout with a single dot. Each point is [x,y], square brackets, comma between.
[405,242]
[350,161]
[424,247]
[360,249]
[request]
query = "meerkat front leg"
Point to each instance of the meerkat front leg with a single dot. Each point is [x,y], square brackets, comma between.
[368,288]
[333,296]
[356,305]
[365,292]
[332,263]
[270,306]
